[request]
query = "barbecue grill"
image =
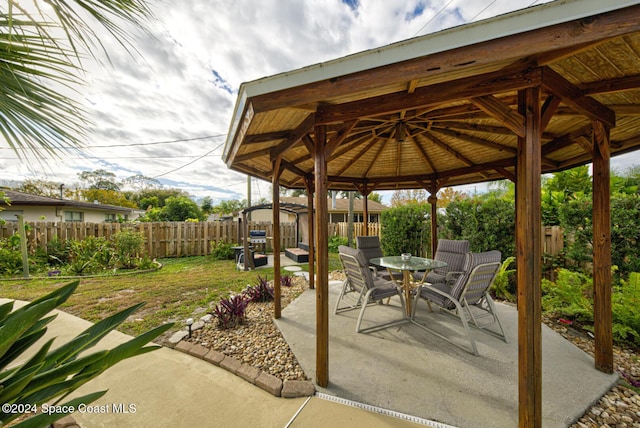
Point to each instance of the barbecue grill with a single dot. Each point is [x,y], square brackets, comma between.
[258,236]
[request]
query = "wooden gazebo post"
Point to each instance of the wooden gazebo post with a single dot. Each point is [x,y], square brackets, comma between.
[322,257]
[311,237]
[433,201]
[364,191]
[529,260]
[275,184]
[602,316]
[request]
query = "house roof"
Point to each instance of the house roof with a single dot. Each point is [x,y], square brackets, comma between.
[341,205]
[26,199]
[442,109]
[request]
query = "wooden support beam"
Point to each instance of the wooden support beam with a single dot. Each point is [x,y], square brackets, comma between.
[322,257]
[529,261]
[501,112]
[339,137]
[275,209]
[439,93]
[433,201]
[303,129]
[364,190]
[308,182]
[602,316]
[574,98]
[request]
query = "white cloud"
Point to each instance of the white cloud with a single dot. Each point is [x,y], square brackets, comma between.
[184,81]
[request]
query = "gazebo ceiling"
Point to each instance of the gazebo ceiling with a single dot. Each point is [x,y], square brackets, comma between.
[442,109]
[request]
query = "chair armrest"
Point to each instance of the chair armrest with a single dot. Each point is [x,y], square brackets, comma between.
[430,287]
[452,276]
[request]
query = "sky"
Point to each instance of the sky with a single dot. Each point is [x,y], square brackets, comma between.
[164,111]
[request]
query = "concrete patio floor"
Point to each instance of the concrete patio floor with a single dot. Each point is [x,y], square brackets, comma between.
[408,370]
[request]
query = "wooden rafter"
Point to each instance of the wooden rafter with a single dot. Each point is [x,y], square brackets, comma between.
[296,135]
[502,112]
[437,94]
[574,97]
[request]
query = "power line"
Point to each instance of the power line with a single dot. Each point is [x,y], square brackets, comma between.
[433,17]
[189,163]
[108,146]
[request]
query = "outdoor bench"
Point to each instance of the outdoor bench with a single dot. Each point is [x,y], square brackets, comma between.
[299,254]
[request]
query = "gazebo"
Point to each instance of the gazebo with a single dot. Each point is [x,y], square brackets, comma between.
[536,91]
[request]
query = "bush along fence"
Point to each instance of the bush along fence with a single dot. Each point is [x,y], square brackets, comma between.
[183,239]
[165,239]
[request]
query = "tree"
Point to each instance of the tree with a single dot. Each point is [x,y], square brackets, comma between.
[376,197]
[181,208]
[100,179]
[231,206]
[448,195]
[207,205]
[109,197]
[570,182]
[42,53]
[153,197]
[414,196]
[36,186]
[141,182]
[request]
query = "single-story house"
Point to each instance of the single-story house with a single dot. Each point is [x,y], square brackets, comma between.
[338,210]
[43,208]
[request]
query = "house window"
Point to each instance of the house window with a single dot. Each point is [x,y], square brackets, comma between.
[10,215]
[73,216]
[110,218]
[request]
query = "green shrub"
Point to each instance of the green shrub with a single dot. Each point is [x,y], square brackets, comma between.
[88,256]
[571,296]
[626,316]
[57,252]
[221,250]
[128,248]
[335,242]
[488,224]
[504,286]
[10,262]
[406,229]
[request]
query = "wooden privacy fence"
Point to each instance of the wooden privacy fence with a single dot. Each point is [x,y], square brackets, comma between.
[181,239]
[162,239]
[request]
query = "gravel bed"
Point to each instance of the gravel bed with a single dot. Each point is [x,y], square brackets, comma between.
[258,342]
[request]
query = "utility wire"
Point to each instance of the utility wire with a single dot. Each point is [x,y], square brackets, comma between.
[190,163]
[433,17]
[107,146]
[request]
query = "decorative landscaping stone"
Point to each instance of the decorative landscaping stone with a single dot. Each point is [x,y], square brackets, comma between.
[269,383]
[178,336]
[198,351]
[184,346]
[214,357]
[197,326]
[297,388]
[230,364]
[248,373]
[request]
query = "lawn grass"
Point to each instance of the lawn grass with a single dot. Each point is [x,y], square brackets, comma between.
[182,288]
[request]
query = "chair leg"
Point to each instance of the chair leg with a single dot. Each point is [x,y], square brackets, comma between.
[365,303]
[341,295]
[361,315]
[465,324]
[492,308]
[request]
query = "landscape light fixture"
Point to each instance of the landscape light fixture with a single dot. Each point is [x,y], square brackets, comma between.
[189,323]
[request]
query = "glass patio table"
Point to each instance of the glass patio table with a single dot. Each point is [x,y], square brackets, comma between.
[407,265]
